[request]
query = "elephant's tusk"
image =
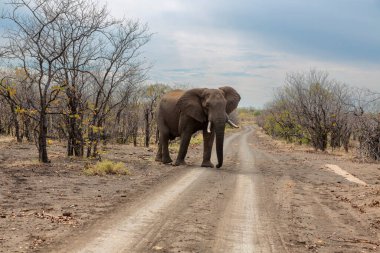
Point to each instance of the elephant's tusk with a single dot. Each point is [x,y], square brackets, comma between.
[209,127]
[232,124]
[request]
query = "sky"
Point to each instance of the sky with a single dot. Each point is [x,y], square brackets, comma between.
[252,44]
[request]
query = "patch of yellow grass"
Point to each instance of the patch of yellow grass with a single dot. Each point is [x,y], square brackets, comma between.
[174,146]
[106,167]
[197,139]
[6,139]
[21,163]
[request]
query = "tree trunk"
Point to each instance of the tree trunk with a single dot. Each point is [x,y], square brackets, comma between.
[75,138]
[70,138]
[16,124]
[147,128]
[17,129]
[1,127]
[74,121]
[26,129]
[42,138]
[89,144]
[134,134]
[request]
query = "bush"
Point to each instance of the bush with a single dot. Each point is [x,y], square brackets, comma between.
[106,167]
[283,125]
[246,114]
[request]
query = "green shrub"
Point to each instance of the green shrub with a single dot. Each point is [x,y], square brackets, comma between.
[106,167]
[283,125]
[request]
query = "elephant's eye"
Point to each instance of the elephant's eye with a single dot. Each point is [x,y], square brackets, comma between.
[207,104]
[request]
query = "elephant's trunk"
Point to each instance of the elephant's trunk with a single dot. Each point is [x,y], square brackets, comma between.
[219,140]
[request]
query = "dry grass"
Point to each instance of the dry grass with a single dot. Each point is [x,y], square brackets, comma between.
[196,140]
[283,145]
[106,167]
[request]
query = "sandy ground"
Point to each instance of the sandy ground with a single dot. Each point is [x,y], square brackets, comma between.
[40,204]
[267,197]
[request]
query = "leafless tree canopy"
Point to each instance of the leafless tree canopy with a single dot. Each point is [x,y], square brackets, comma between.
[70,68]
[313,108]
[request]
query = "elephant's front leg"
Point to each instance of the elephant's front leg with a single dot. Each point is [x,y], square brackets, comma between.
[208,140]
[185,141]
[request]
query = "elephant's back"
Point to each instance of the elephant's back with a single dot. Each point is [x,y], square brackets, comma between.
[169,100]
[168,112]
[173,95]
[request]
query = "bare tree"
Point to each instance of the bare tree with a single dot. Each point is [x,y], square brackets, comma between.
[117,66]
[8,92]
[309,99]
[151,95]
[127,113]
[77,62]
[85,24]
[15,92]
[35,43]
[341,116]
[317,104]
[366,123]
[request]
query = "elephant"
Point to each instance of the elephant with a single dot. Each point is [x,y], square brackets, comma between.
[182,113]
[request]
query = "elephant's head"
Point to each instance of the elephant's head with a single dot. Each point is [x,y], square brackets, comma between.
[212,106]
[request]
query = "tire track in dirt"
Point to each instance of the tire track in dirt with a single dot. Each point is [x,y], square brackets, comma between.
[190,224]
[143,227]
[240,229]
[130,230]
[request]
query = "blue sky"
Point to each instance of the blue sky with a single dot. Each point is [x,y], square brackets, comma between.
[252,44]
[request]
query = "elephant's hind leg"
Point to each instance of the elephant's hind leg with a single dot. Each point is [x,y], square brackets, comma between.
[164,146]
[159,153]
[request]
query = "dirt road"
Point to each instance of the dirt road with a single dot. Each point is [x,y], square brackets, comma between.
[261,200]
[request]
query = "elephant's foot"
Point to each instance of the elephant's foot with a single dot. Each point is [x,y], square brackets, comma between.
[166,160]
[207,164]
[180,162]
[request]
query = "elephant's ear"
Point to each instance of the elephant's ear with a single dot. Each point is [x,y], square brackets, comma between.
[232,98]
[190,103]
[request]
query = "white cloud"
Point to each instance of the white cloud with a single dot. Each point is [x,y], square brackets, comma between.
[195,44]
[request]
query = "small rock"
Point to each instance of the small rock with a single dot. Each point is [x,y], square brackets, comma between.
[157,247]
[67,214]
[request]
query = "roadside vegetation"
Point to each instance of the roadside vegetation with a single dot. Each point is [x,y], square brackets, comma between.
[106,167]
[71,72]
[312,108]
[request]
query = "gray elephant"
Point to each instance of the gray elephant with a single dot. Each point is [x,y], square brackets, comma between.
[182,113]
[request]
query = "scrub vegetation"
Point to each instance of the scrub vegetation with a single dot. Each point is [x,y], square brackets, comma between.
[311,108]
[106,167]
